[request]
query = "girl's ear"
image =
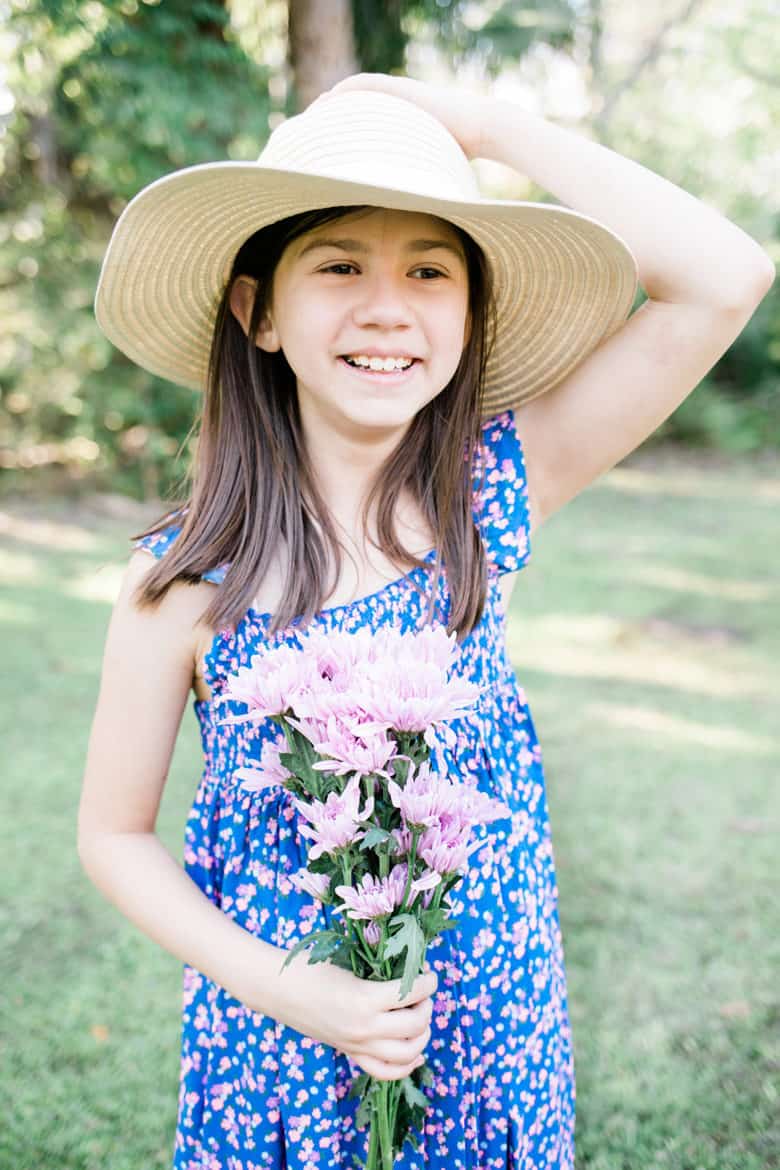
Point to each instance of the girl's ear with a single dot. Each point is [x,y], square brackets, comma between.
[242,299]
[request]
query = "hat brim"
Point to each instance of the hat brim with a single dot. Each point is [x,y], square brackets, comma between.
[563,282]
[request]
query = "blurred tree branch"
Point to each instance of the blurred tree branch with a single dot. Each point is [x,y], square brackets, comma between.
[600,118]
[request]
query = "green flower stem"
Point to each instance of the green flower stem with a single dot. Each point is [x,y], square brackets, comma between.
[386,971]
[416,834]
[385,1132]
[396,1096]
[373,1142]
[381,1148]
[363,946]
[353,929]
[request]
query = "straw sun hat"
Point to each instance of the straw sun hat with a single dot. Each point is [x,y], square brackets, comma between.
[563,282]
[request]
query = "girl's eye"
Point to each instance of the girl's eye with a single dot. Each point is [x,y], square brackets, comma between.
[333,267]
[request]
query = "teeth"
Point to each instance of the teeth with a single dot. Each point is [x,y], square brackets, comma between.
[378,363]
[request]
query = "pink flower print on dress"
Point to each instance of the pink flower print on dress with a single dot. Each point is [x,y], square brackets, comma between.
[336,821]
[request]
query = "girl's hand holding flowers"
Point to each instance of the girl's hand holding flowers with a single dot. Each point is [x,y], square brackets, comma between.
[461,113]
[381,1034]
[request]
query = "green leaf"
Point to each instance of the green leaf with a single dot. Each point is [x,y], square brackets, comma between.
[433,921]
[358,1085]
[410,938]
[343,956]
[363,1115]
[375,835]
[323,864]
[315,938]
[413,1095]
[327,943]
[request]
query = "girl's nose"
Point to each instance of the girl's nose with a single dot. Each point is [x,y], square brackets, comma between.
[382,302]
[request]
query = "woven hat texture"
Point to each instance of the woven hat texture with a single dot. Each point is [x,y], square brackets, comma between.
[563,282]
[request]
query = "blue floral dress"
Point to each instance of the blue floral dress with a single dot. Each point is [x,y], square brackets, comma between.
[258,1095]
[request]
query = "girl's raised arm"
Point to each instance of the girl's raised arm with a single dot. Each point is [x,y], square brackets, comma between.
[704,278]
[703,275]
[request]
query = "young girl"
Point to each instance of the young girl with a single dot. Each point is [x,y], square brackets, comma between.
[401,371]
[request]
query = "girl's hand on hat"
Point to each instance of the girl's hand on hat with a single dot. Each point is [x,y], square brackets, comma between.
[460,113]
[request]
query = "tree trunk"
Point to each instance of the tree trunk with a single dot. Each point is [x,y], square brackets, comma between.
[321,46]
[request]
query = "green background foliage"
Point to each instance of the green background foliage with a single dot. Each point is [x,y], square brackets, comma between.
[101,97]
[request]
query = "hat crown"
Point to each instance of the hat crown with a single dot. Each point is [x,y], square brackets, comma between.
[376,139]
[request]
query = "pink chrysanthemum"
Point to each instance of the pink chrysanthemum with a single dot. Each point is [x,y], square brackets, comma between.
[270,770]
[315,884]
[334,823]
[445,853]
[270,685]
[370,681]
[376,897]
[345,752]
[403,838]
[372,934]
[423,797]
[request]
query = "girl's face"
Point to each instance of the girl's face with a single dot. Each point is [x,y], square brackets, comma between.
[383,283]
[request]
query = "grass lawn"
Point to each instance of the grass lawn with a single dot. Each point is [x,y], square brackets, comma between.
[645,632]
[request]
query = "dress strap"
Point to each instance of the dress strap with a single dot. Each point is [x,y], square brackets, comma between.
[501,498]
[158,543]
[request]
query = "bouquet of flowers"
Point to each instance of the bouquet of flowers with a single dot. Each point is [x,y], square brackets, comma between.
[390,837]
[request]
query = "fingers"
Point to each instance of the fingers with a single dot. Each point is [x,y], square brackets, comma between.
[390,1062]
[423,986]
[396,1052]
[401,1051]
[405,1022]
[392,1044]
[386,1072]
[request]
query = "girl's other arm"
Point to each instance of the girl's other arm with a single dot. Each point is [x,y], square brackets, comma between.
[703,275]
[146,677]
[704,278]
[147,668]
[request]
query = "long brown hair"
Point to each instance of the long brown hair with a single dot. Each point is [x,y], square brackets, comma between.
[251,478]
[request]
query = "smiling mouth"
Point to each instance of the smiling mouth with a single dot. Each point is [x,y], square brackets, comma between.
[367,372]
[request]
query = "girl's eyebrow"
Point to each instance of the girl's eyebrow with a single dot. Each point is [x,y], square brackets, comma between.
[347,245]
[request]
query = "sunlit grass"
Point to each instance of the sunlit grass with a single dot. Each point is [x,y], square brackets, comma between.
[645,634]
